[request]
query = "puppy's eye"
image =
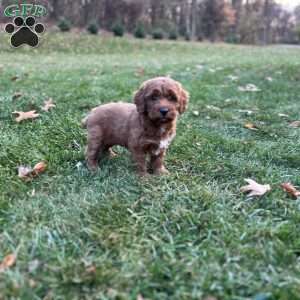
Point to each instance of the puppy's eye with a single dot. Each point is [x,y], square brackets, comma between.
[172,98]
[154,97]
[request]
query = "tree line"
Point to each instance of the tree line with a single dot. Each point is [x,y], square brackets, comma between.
[236,21]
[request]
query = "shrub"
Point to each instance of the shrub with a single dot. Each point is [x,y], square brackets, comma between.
[200,38]
[187,37]
[64,25]
[93,28]
[139,32]
[158,34]
[232,39]
[118,29]
[173,35]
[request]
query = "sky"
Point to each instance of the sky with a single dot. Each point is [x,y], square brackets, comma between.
[289,3]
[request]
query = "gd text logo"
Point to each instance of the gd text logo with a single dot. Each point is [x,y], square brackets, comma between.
[24,29]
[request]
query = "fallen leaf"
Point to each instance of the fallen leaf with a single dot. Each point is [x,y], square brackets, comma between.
[283,115]
[295,124]
[33,265]
[290,189]
[8,262]
[212,107]
[48,105]
[247,112]
[25,115]
[233,78]
[251,126]
[255,189]
[24,172]
[32,283]
[16,96]
[27,173]
[14,78]
[91,269]
[249,88]
[210,298]
[40,168]
[140,72]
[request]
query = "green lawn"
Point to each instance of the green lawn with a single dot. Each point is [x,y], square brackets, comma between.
[185,236]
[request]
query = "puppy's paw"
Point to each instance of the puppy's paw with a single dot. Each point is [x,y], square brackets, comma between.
[92,166]
[161,171]
[112,154]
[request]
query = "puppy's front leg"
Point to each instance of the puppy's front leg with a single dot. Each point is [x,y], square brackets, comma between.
[157,164]
[140,159]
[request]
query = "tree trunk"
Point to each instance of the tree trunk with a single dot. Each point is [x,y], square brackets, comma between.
[194,19]
[267,22]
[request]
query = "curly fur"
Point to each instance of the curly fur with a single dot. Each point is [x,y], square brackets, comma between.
[146,128]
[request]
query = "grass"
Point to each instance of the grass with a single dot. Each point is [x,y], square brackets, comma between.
[186,236]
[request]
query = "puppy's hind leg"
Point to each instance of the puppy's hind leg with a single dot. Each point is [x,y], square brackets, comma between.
[139,158]
[94,148]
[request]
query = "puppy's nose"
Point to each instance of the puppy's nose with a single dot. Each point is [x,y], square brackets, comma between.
[164,111]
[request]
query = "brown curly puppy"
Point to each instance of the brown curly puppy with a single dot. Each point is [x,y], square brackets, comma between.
[146,128]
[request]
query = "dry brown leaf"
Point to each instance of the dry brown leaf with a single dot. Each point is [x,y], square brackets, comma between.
[40,168]
[25,115]
[290,189]
[255,189]
[14,78]
[16,96]
[140,72]
[295,124]
[48,105]
[8,262]
[91,269]
[251,126]
[27,173]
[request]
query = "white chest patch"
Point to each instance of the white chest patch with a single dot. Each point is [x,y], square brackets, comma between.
[164,144]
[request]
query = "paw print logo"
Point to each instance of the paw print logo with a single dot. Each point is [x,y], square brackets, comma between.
[24,32]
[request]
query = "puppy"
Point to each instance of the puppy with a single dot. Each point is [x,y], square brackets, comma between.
[145,128]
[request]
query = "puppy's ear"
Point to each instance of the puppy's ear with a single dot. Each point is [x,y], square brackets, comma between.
[139,100]
[183,100]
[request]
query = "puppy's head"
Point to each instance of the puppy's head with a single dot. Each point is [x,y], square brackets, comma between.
[161,99]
